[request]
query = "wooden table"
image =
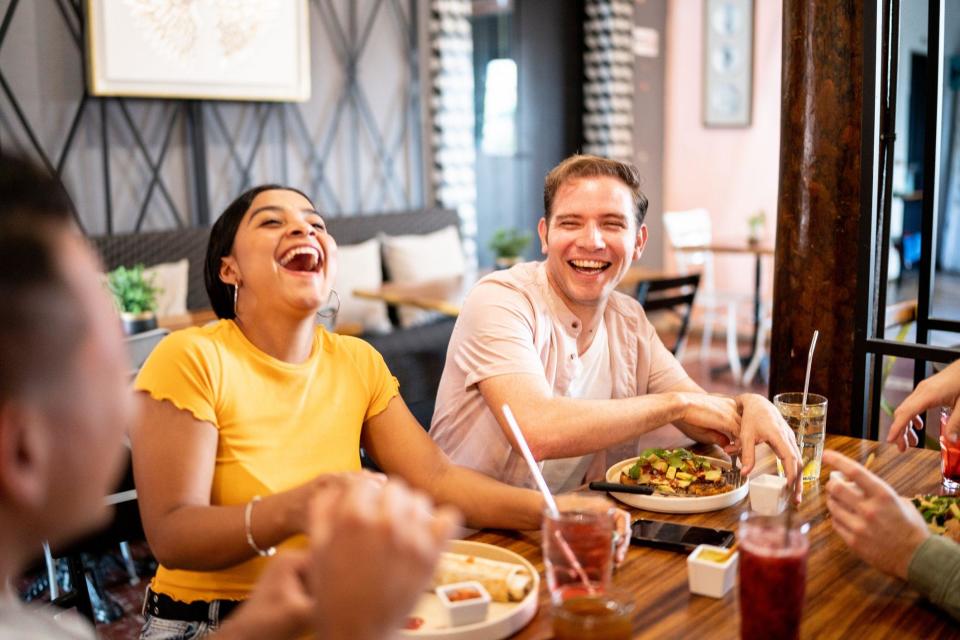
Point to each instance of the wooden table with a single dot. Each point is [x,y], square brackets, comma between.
[846,598]
[446,295]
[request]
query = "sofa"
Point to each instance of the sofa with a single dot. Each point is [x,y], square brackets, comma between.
[414,354]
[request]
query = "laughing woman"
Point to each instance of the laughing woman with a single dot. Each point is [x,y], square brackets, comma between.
[244,420]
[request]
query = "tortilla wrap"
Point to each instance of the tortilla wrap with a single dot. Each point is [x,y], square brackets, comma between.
[505,581]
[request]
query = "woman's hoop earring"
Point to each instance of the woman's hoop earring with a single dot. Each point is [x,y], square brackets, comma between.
[236,291]
[329,312]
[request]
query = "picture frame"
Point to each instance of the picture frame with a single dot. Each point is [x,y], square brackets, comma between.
[727,62]
[209,49]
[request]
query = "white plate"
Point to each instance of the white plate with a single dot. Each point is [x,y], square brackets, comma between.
[676,504]
[503,620]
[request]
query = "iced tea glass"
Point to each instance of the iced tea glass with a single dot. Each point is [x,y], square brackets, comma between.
[809,426]
[773,576]
[949,456]
[606,616]
[583,531]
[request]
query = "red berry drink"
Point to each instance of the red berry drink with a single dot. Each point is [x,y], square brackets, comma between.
[773,577]
[949,456]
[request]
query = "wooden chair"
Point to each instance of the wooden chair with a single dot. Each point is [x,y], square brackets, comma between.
[674,295]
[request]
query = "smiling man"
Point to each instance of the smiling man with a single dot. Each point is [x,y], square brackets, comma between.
[580,365]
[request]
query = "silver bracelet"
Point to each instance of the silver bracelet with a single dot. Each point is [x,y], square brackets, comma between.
[248,528]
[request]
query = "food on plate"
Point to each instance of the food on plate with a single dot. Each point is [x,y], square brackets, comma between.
[456,595]
[676,472]
[505,581]
[942,514]
[413,623]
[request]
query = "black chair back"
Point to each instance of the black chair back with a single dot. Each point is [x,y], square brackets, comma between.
[675,295]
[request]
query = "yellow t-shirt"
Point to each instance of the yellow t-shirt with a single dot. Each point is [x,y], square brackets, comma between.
[279,424]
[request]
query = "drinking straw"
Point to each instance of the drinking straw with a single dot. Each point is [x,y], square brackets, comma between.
[547,497]
[803,427]
[806,379]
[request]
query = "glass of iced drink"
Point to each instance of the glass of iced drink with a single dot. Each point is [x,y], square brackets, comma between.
[949,455]
[582,532]
[773,576]
[605,616]
[808,425]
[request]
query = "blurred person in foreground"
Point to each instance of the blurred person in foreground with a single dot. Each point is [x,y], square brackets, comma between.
[581,367]
[885,529]
[65,403]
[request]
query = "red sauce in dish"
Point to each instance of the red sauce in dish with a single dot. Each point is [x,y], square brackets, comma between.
[413,623]
[462,594]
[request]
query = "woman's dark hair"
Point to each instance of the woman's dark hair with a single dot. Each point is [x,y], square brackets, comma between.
[220,245]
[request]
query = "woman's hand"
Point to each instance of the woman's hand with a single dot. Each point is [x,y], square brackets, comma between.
[881,527]
[942,389]
[299,499]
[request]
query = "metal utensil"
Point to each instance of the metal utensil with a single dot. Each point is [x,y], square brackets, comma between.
[732,475]
[642,489]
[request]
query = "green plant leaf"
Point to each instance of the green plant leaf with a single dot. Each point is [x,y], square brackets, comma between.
[508,242]
[132,290]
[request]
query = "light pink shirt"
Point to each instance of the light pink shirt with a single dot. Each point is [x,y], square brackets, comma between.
[512,322]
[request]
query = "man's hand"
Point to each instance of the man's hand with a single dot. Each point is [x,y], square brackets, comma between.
[280,606]
[712,419]
[878,525]
[761,422]
[372,554]
[942,389]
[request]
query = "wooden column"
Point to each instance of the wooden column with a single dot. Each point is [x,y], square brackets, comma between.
[818,211]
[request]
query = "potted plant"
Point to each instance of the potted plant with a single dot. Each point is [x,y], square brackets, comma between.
[507,245]
[755,225]
[136,297]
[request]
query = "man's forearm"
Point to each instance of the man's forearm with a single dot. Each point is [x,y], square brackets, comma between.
[564,427]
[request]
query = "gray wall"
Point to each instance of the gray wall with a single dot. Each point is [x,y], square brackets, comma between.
[351,133]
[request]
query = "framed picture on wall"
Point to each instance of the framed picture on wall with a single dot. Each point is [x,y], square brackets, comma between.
[203,49]
[727,62]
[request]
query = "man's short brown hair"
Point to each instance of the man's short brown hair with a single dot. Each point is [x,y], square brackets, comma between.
[587,166]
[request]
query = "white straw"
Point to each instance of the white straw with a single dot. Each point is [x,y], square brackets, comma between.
[528,456]
[806,380]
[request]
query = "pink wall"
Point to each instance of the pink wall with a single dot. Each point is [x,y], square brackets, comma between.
[730,172]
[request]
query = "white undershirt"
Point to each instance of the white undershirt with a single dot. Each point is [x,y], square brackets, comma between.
[593,380]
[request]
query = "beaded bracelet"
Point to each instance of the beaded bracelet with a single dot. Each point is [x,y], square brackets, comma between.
[247,514]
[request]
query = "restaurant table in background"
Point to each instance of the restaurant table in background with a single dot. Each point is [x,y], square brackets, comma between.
[200,317]
[758,249]
[845,597]
[446,295]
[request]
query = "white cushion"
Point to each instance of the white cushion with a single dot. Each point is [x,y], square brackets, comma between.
[172,278]
[416,258]
[359,267]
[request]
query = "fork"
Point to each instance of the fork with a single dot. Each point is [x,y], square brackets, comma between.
[732,475]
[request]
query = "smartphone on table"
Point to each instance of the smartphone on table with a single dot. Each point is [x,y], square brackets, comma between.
[677,537]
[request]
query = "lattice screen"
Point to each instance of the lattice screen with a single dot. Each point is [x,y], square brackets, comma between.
[134,164]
